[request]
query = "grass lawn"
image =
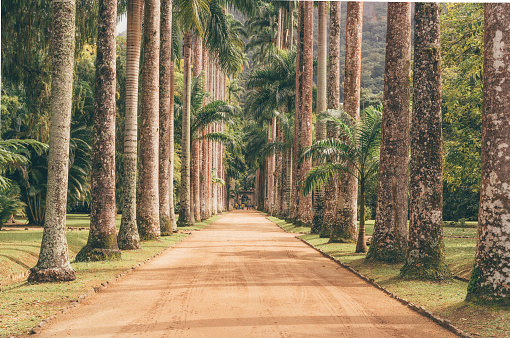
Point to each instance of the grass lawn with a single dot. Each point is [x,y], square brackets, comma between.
[445,300]
[24,305]
[200,225]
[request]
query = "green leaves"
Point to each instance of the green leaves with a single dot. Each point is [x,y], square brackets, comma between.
[355,152]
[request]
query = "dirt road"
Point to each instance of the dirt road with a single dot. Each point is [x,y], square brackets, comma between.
[241,277]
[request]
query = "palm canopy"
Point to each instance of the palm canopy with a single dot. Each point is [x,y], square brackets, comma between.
[272,87]
[355,152]
[203,115]
[191,15]
[224,39]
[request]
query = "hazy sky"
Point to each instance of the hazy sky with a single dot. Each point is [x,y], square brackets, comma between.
[122,24]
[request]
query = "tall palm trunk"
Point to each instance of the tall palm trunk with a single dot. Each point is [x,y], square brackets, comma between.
[171,150]
[185,214]
[425,257]
[128,238]
[53,264]
[331,190]
[166,210]
[491,274]
[344,229]
[148,189]
[102,240]
[291,25]
[320,129]
[297,114]
[195,145]
[304,214]
[389,241]
[204,212]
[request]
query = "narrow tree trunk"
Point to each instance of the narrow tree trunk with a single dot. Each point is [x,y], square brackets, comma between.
[148,189]
[291,25]
[425,257]
[128,238]
[171,135]
[185,214]
[305,212]
[320,128]
[331,190]
[389,240]
[53,264]
[491,275]
[297,113]
[361,245]
[344,228]
[102,240]
[205,149]
[195,145]
[165,65]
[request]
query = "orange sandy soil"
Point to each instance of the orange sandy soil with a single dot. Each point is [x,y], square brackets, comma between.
[241,277]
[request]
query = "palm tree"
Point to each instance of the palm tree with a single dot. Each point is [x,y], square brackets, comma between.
[166,209]
[189,15]
[425,257]
[271,89]
[489,280]
[389,241]
[195,145]
[320,128]
[355,153]
[53,263]
[102,240]
[303,119]
[331,190]
[147,209]
[128,238]
[344,227]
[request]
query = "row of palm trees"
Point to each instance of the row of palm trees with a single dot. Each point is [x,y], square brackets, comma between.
[284,178]
[344,141]
[148,206]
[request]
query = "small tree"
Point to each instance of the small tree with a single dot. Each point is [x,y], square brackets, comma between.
[355,153]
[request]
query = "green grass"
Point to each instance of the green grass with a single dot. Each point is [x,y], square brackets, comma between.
[83,220]
[445,300]
[290,227]
[201,225]
[23,305]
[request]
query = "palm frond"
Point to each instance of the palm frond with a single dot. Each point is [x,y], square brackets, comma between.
[320,176]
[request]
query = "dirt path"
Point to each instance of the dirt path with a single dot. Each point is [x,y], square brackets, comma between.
[242,277]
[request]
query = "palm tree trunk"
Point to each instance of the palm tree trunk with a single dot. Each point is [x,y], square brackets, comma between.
[361,245]
[331,190]
[425,257]
[53,264]
[171,150]
[297,114]
[320,129]
[389,241]
[102,240]
[148,188]
[128,238]
[185,214]
[165,66]
[205,150]
[344,228]
[291,25]
[489,280]
[305,212]
[195,145]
